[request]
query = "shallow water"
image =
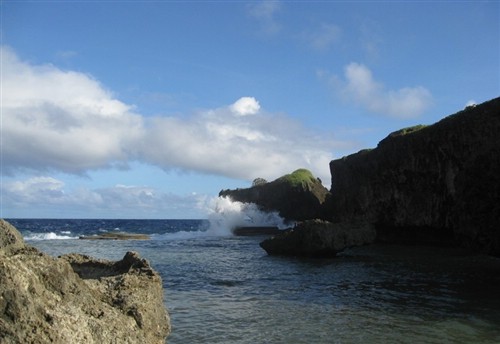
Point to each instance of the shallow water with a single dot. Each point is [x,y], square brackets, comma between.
[224,289]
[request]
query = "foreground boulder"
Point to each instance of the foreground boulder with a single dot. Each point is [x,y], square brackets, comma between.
[437,184]
[318,238]
[77,299]
[296,196]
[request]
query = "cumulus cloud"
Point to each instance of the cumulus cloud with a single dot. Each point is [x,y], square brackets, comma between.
[56,120]
[222,142]
[360,87]
[63,120]
[246,106]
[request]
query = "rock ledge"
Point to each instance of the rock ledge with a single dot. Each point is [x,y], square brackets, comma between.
[318,238]
[75,298]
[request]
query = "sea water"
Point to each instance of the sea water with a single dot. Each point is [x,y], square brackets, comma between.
[225,289]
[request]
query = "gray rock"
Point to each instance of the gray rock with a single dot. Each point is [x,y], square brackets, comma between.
[318,238]
[297,196]
[77,299]
[436,184]
[10,238]
[116,236]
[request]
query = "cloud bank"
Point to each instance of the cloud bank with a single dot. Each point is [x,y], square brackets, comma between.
[56,120]
[47,193]
[61,120]
[360,87]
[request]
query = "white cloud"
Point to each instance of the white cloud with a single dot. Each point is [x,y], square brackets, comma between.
[371,38]
[66,55]
[55,120]
[126,201]
[360,87]
[222,142]
[39,189]
[471,102]
[63,120]
[246,106]
[324,37]
[265,11]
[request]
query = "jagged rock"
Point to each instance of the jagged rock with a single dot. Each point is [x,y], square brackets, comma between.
[77,299]
[435,184]
[10,238]
[318,238]
[297,196]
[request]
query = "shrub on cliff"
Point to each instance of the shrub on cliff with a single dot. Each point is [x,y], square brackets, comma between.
[259,181]
[300,177]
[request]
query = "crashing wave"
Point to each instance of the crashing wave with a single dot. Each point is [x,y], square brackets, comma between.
[49,236]
[226,214]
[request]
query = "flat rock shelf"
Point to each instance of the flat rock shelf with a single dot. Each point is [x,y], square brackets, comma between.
[116,236]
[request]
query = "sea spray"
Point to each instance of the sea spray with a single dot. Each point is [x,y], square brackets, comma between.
[49,236]
[226,214]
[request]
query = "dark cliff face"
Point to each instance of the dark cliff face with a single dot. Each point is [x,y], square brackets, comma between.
[297,196]
[434,184]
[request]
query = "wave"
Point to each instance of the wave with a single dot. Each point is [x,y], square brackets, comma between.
[49,236]
[223,215]
[226,214]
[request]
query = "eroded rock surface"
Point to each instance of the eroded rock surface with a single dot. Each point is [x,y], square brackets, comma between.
[318,238]
[75,298]
[297,196]
[437,184]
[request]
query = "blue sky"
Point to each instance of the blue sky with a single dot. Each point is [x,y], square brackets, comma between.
[147,109]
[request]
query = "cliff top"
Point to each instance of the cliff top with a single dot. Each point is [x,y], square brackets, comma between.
[299,178]
[296,196]
[429,184]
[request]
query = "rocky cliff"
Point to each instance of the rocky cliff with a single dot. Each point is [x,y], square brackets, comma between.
[428,184]
[296,196]
[436,184]
[77,299]
[319,238]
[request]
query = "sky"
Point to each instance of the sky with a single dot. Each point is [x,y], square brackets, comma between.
[147,109]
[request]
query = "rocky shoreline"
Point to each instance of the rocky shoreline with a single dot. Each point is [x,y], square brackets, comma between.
[431,185]
[319,238]
[116,236]
[77,299]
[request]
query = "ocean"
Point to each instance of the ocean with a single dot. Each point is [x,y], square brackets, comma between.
[221,288]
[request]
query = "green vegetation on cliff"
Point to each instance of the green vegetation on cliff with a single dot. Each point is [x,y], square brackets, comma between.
[296,196]
[409,130]
[436,184]
[403,132]
[300,177]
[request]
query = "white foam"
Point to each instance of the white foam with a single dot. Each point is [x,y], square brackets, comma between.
[226,214]
[49,236]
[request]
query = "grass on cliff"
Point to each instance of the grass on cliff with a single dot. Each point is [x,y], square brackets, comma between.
[299,177]
[408,130]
